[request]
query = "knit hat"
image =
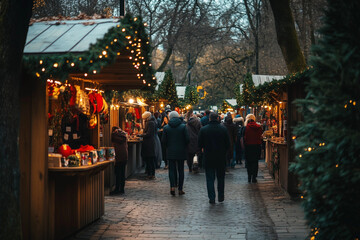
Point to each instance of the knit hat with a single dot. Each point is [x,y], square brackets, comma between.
[146,115]
[249,117]
[238,119]
[174,114]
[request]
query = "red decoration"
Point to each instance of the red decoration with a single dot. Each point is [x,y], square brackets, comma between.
[65,150]
[73,96]
[177,109]
[85,148]
[137,113]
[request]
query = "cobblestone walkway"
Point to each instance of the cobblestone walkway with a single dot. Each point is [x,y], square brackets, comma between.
[250,211]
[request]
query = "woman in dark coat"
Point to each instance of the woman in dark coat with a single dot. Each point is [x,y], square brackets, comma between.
[175,139]
[119,140]
[148,149]
[252,141]
[193,126]
[231,128]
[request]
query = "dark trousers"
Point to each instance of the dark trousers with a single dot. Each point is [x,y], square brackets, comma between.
[120,176]
[189,160]
[252,156]
[150,165]
[210,174]
[176,168]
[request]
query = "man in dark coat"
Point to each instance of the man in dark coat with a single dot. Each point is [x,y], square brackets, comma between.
[175,139]
[148,149]
[231,128]
[193,126]
[205,119]
[119,140]
[214,140]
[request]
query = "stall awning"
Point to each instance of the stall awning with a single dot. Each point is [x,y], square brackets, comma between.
[231,102]
[261,79]
[111,52]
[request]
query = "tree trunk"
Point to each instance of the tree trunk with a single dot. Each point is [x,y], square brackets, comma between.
[166,59]
[286,35]
[14,22]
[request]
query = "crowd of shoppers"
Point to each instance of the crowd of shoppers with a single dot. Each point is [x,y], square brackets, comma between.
[217,142]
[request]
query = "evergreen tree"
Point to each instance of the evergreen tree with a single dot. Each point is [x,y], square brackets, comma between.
[328,161]
[191,95]
[167,89]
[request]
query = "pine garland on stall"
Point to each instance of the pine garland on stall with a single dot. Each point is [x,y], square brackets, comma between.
[129,36]
[167,89]
[328,161]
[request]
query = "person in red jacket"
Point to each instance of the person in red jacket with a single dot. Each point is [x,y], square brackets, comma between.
[252,142]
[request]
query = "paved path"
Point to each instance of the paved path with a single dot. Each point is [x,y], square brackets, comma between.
[250,211]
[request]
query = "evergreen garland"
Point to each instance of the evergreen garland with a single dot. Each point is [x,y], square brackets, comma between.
[191,95]
[129,36]
[167,89]
[328,161]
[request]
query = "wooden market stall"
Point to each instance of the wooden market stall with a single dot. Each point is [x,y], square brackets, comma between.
[72,55]
[279,116]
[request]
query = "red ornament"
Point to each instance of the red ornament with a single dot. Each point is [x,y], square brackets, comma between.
[177,109]
[65,150]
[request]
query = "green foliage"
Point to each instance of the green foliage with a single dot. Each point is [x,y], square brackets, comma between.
[191,95]
[167,89]
[224,106]
[268,91]
[115,41]
[330,171]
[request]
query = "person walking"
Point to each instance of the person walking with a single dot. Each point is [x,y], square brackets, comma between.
[165,121]
[214,141]
[205,119]
[175,139]
[193,126]
[252,142]
[148,149]
[231,128]
[119,141]
[239,122]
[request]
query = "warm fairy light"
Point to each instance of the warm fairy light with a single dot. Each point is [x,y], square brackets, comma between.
[80,58]
[107,47]
[55,65]
[91,61]
[131,100]
[43,69]
[118,25]
[145,24]
[58,83]
[132,51]
[354,103]
[302,197]
[144,81]
[106,55]
[142,75]
[300,156]
[154,78]
[115,40]
[130,58]
[149,84]
[337,165]
[85,74]
[135,19]
[41,62]
[143,63]
[128,37]
[345,106]
[72,64]
[118,53]
[104,52]
[37,74]
[309,149]
[293,137]
[161,105]
[150,65]
[123,30]
[100,56]
[94,71]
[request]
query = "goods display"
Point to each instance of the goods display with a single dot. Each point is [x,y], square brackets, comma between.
[54,160]
[74,161]
[101,154]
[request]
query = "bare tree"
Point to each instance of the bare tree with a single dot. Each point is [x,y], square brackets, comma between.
[14,23]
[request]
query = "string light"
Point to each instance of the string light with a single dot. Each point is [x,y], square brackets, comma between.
[94,71]
[85,74]
[72,64]
[41,62]
[55,65]
[43,69]
[104,52]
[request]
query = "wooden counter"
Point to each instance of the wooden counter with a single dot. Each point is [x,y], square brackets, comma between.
[277,161]
[76,198]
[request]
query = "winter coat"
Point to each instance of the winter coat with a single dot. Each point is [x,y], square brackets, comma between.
[231,128]
[193,126]
[175,139]
[252,134]
[148,148]
[204,120]
[119,141]
[214,138]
